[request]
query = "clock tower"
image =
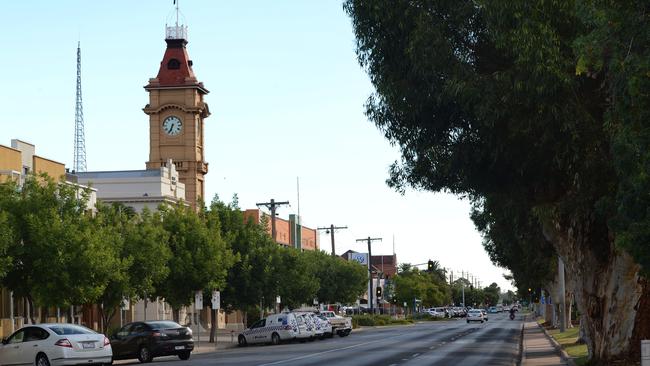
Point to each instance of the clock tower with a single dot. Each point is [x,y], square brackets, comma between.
[176,112]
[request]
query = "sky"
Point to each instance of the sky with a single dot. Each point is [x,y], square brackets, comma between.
[287,99]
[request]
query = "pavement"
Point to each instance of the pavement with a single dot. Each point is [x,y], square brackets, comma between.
[538,349]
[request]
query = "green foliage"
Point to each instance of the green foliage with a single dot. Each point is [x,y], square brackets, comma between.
[199,256]
[340,281]
[58,257]
[369,320]
[430,288]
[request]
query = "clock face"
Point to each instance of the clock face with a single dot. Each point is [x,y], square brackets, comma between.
[172,125]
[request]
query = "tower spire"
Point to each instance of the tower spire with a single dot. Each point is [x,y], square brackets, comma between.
[79,162]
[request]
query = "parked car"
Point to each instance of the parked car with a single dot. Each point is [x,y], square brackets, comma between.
[435,313]
[326,325]
[340,325]
[320,325]
[149,339]
[305,328]
[475,315]
[55,344]
[273,329]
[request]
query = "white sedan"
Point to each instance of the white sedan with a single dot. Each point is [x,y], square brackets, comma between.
[55,344]
[475,315]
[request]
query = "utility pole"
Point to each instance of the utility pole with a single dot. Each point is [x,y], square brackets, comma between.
[370,289]
[330,230]
[272,206]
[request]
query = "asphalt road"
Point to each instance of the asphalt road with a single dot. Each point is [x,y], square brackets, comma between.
[495,342]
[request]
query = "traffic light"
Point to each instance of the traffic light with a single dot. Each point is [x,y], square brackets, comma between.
[430,266]
[379,292]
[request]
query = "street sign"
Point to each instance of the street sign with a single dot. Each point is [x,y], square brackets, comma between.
[278,300]
[362,258]
[198,300]
[125,304]
[216,300]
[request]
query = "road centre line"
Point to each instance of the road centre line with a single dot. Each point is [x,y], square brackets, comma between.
[321,353]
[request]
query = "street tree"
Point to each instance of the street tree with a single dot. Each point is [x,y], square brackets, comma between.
[297,281]
[143,253]
[543,102]
[199,256]
[58,258]
[340,281]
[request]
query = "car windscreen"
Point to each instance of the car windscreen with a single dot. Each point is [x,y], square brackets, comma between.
[69,329]
[163,325]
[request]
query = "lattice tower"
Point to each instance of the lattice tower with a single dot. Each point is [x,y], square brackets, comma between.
[79,163]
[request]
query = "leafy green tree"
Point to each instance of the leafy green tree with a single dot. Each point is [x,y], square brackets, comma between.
[58,258]
[252,278]
[7,239]
[297,282]
[414,284]
[540,106]
[199,256]
[491,294]
[143,253]
[340,281]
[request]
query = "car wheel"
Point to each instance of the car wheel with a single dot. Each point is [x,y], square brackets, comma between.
[275,339]
[184,355]
[468,322]
[481,322]
[242,341]
[41,360]
[144,355]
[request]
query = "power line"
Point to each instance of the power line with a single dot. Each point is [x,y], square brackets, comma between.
[331,230]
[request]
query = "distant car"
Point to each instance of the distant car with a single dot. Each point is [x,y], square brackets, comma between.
[55,344]
[149,339]
[475,315]
[435,313]
[274,328]
[485,316]
[499,308]
[492,310]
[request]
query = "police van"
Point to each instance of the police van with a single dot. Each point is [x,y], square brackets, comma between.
[273,329]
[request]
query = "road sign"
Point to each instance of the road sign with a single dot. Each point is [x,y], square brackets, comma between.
[362,258]
[198,300]
[278,300]
[216,300]
[125,304]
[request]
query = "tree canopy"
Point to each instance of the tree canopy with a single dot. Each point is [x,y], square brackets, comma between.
[537,111]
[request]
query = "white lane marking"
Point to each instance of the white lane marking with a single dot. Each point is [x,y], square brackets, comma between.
[321,353]
[416,355]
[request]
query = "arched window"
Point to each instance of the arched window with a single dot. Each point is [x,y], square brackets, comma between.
[173,64]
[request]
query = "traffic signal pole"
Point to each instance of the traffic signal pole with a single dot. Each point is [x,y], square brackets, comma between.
[370,287]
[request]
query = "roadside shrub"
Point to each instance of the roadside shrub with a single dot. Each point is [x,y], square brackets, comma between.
[369,320]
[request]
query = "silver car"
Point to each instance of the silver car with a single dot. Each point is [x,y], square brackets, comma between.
[475,315]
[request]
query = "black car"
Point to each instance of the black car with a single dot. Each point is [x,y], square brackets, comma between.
[149,339]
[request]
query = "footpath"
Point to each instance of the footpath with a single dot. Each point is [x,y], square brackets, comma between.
[538,349]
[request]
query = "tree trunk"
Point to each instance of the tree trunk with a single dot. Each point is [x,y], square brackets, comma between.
[612,297]
[213,324]
[176,313]
[30,303]
[107,316]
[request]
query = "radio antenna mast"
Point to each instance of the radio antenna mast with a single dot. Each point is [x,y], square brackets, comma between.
[79,162]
